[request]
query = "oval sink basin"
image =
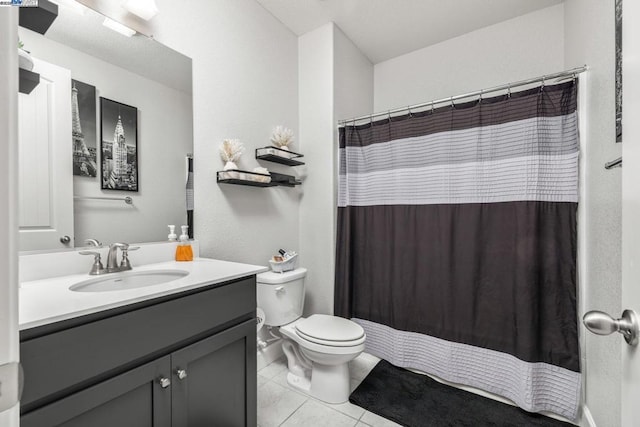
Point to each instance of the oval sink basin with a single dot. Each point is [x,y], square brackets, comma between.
[128,280]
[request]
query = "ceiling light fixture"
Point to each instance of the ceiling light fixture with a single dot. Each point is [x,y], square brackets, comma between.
[72,5]
[118,27]
[145,9]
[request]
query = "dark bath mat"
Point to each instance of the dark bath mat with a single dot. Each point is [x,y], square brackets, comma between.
[416,400]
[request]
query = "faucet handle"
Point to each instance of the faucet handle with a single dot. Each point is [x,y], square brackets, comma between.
[93,242]
[125,256]
[97,267]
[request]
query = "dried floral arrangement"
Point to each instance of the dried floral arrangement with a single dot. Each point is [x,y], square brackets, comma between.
[230,151]
[282,137]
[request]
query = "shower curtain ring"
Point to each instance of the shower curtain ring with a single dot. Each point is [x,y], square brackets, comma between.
[508,91]
[410,113]
[431,107]
[452,105]
[480,99]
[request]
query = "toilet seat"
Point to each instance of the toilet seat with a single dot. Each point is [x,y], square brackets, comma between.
[329,330]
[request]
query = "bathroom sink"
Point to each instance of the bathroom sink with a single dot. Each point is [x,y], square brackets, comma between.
[128,280]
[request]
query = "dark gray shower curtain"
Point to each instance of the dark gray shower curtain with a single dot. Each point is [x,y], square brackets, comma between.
[457,243]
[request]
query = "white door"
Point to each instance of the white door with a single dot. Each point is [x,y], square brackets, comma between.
[46,180]
[631,204]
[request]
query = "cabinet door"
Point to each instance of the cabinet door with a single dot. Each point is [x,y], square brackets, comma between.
[219,388]
[133,399]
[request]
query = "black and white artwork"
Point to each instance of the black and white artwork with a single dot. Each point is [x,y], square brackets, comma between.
[119,145]
[618,70]
[83,120]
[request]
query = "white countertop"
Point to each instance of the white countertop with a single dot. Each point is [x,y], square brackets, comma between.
[50,300]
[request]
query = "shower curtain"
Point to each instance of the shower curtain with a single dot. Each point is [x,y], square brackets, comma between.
[456,243]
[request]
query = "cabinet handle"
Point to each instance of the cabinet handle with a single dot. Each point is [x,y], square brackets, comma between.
[181,373]
[164,382]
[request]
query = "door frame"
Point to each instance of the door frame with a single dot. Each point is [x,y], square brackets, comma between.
[9,351]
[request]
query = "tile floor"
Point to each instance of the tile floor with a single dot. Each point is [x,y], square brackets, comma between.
[279,404]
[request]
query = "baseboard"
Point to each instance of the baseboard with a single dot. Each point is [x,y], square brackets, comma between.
[587,418]
[269,354]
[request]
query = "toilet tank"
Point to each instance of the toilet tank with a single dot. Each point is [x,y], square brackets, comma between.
[281,295]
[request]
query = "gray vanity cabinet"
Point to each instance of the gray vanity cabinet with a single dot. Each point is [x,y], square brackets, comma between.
[217,385]
[186,360]
[132,399]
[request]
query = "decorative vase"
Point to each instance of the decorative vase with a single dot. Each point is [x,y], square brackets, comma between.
[24,60]
[230,165]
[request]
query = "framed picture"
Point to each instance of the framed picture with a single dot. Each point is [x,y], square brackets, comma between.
[119,145]
[84,135]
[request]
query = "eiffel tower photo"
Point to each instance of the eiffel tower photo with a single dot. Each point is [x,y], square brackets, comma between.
[83,114]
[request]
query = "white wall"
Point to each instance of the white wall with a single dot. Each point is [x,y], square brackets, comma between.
[336,80]
[517,49]
[164,139]
[316,86]
[8,202]
[245,82]
[589,39]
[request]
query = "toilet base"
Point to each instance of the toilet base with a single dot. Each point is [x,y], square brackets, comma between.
[330,384]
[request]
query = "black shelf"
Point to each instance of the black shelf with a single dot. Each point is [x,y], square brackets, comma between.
[234,176]
[284,180]
[271,154]
[239,177]
[40,18]
[28,81]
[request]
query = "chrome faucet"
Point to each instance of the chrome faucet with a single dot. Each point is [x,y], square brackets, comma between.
[112,258]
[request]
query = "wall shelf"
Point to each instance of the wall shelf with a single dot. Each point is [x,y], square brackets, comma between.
[28,81]
[278,155]
[40,18]
[253,179]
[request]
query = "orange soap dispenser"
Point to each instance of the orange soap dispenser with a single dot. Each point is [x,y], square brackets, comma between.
[184,252]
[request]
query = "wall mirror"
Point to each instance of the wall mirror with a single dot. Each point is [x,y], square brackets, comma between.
[148,86]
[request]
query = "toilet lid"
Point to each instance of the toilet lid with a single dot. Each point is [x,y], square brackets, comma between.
[330,330]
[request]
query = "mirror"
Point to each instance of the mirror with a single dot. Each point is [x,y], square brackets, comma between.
[156,136]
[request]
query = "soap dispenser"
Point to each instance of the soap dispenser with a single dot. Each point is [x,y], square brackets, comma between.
[172,233]
[184,252]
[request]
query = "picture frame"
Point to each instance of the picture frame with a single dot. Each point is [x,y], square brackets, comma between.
[84,135]
[118,146]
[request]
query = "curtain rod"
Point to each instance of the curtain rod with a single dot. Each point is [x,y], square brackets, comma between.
[481,92]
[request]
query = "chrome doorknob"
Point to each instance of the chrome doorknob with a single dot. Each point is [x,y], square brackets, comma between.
[602,323]
[164,382]
[65,240]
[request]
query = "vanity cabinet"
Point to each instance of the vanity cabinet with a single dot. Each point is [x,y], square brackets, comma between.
[184,360]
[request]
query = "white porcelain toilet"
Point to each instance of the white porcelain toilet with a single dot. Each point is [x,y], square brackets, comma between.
[319,347]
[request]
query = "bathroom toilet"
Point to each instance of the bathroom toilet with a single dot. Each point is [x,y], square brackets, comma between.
[318,348]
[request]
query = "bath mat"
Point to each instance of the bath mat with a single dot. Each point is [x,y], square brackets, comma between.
[415,400]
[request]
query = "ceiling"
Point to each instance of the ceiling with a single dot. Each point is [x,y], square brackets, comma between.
[384,29]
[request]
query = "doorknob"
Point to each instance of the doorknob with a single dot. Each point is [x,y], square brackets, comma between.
[601,323]
[65,240]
